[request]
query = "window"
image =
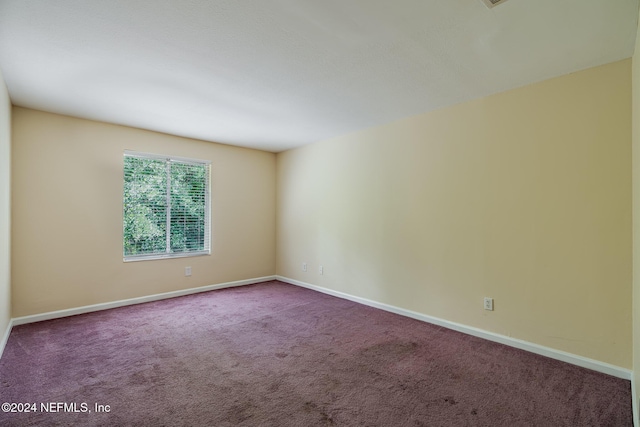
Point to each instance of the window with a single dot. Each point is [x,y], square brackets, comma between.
[166,207]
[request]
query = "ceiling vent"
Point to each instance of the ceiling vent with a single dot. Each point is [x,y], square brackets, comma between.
[493,3]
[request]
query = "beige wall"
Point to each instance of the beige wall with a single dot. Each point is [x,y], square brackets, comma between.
[5,208]
[67,214]
[523,196]
[635,125]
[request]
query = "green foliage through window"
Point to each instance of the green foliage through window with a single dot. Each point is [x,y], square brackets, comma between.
[166,207]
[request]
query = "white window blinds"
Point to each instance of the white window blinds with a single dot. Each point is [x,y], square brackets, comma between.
[166,207]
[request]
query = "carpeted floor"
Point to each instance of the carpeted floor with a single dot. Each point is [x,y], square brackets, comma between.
[273,354]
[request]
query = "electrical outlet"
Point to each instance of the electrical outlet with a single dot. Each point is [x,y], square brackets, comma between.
[187,271]
[488,303]
[304,266]
[321,270]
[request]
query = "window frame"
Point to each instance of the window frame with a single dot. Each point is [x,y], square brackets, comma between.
[169,255]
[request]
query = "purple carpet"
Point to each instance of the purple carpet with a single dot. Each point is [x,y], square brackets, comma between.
[273,354]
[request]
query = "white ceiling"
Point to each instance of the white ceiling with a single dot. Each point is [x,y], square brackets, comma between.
[277,74]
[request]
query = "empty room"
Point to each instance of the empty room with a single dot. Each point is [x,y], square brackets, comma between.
[311,213]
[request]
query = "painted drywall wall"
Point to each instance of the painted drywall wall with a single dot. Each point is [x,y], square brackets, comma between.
[67,214]
[635,129]
[523,196]
[5,208]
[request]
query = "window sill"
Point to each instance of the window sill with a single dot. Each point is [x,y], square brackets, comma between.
[162,256]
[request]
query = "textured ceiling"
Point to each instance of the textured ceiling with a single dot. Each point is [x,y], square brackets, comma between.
[276,74]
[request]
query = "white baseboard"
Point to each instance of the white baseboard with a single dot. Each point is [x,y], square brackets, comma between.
[5,337]
[121,303]
[563,356]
